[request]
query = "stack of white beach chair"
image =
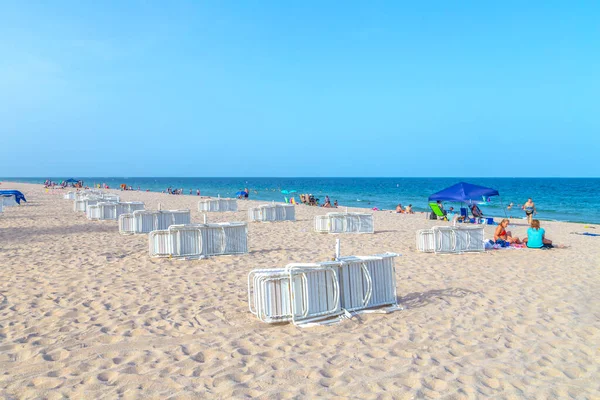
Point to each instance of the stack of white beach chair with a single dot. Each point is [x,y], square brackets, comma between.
[217,205]
[451,239]
[194,241]
[324,292]
[85,199]
[112,211]
[146,221]
[344,222]
[272,212]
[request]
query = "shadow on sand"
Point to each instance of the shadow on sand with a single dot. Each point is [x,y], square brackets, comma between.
[422,299]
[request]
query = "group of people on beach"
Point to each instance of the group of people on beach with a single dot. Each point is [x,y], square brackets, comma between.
[327,203]
[63,184]
[406,210]
[535,239]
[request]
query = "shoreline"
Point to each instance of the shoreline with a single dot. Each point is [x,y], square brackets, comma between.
[417,210]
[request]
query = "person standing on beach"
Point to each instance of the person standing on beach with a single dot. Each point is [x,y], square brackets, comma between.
[530,210]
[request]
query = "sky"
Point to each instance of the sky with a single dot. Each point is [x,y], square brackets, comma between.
[308,88]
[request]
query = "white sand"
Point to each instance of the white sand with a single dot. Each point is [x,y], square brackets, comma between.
[85,313]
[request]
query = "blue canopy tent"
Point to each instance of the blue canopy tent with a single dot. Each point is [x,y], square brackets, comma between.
[464,192]
[18,195]
[71,180]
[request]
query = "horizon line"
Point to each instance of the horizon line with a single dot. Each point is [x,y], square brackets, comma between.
[309,177]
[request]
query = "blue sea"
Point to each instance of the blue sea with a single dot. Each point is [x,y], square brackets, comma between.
[563,199]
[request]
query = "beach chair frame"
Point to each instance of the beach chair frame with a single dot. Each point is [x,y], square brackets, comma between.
[336,222]
[196,241]
[217,205]
[272,213]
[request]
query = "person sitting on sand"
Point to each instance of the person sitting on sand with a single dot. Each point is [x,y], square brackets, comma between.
[408,209]
[327,203]
[399,209]
[502,234]
[335,204]
[536,238]
[476,211]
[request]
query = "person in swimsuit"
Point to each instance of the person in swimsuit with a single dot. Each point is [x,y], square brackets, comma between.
[399,209]
[502,234]
[536,237]
[530,210]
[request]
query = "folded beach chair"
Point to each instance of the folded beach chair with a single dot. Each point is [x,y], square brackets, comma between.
[8,200]
[425,241]
[93,212]
[344,223]
[199,240]
[326,292]
[128,207]
[437,211]
[298,293]
[451,239]
[272,212]
[217,205]
[367,282]
[469,239]
[146,221]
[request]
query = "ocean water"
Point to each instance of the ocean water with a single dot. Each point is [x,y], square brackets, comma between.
[563,199]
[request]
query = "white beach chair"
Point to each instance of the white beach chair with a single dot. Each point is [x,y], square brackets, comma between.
[93,212]
[128,207]
[322,223]
[425,241]
[9,200]
[451,239]
[199,240]
[299,293]
[469,239]
[217,205]
[445,239]
[69,196]
[79,205]
[146,221]
[272,212]
[361,284]
[126,224]
[345,223]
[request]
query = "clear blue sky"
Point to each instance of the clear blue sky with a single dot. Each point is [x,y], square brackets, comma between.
[270,88]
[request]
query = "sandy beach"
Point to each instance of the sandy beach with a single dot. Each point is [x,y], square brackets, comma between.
[86,313]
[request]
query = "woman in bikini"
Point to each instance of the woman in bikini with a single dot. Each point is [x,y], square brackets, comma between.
[529,209]
[502,234]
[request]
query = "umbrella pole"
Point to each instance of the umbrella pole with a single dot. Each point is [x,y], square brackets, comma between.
[504,209]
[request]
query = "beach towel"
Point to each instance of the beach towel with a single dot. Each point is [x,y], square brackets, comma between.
[585,233]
